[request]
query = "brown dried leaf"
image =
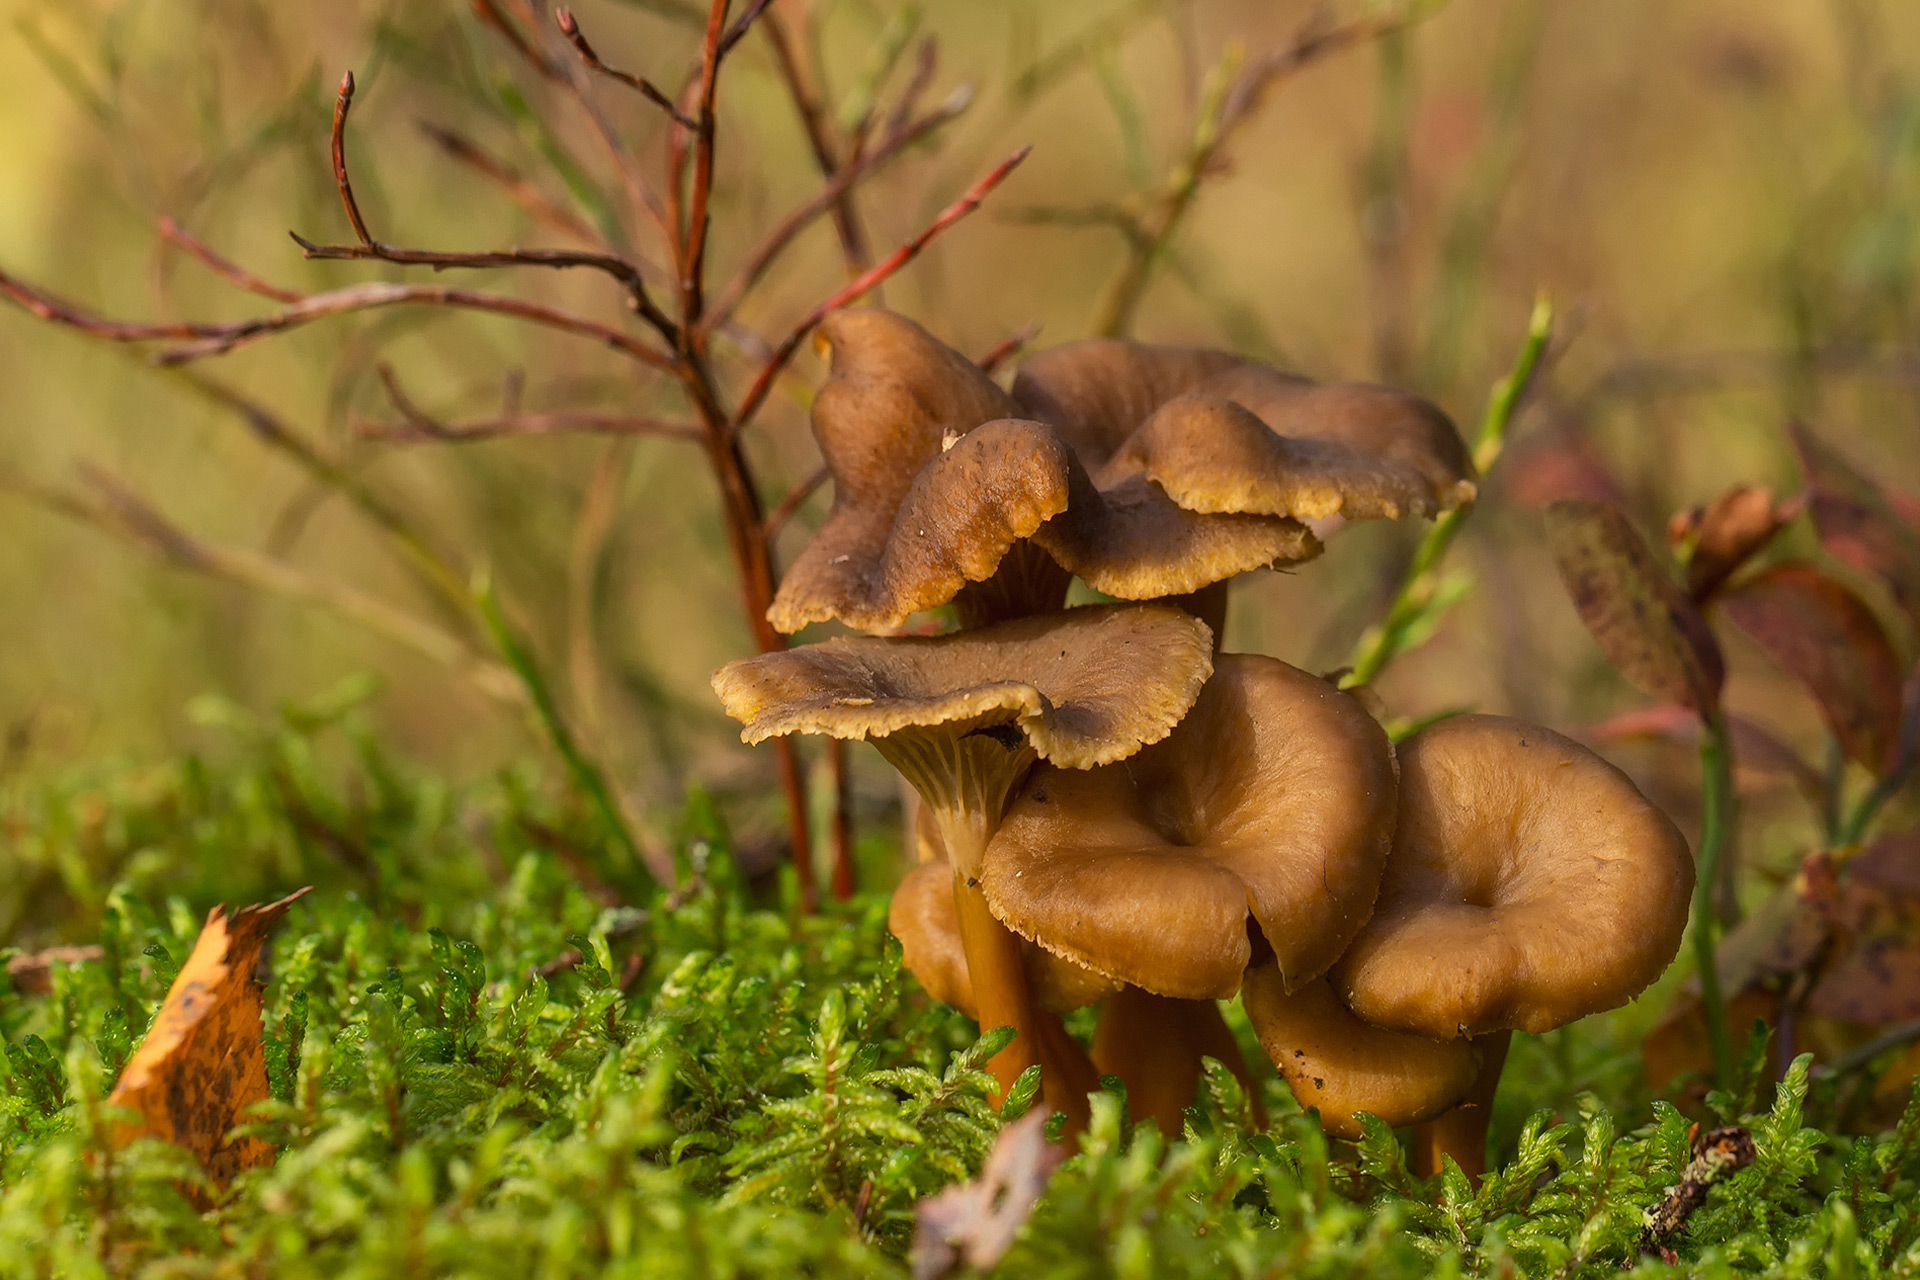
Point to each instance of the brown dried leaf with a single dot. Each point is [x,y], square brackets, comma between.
[1643,622]
[200,1066]
[1876,982]
[1829,640]
[1726,533]
[1858,523]
[971,1224]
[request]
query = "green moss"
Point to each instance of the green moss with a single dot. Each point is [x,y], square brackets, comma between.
[711,1089]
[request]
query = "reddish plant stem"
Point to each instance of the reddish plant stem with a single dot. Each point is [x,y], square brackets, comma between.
[813,121]
[570,28]
[845,876]
[524,424]
[1009,347]
[966,204]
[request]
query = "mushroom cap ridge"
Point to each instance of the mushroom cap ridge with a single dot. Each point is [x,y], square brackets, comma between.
[1223,434]
[1530,884]
[1274,797]
[1087,686]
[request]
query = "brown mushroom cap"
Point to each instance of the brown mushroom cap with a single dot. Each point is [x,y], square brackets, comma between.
[923,916]
[922,502]
[1223,434]
[963,716]
[1275,797]
[1334,1061]
[1530,884]
[1132,541]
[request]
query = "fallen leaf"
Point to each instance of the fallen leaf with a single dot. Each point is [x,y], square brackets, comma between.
[1541,474]
[1642,620]
[32,972]
[1876,981]
[200,1066]
[1726,533]
[1829,640]
[1857,522]
[971,1224]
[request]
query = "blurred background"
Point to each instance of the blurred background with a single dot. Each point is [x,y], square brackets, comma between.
[1719,195]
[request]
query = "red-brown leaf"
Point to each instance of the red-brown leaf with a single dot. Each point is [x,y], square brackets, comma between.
[1753,747]
[1726,533]
[1828,638]
[1858,523]
[1642,620]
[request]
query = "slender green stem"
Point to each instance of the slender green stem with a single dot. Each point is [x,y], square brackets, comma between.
[587,775]
[1382,642]
[1717,814]
[1869,807]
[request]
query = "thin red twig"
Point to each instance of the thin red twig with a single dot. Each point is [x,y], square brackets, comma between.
[828,197]
[233,273]
[966,204]
[819,130]
[490,14]
[524,424]
[777,519]
[342,103]
[570,28]
[693,259]
[201,340]
[621,270]
[1009,347]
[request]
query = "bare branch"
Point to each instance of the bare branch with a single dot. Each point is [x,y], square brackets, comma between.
[796,496]
[564,19]
[234,274]
[828,197]
[525,424]
[621,270]
[489,14]
[693,257]
[202,340]
[966,204]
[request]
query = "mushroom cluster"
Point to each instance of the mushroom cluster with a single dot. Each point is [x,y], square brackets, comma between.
[1116,812]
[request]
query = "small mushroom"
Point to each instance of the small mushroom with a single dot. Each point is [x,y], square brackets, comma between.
[1222,434]
[963,717]
[1340,1064]
[1274,798]
[1530,884]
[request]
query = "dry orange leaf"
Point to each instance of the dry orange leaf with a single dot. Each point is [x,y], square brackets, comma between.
[1858,522]
[201,1065]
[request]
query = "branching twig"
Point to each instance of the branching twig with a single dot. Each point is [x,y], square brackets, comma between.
[829,197]
[1722,1153]
[564,19]
[621,270]
[966,204]
[802,89]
